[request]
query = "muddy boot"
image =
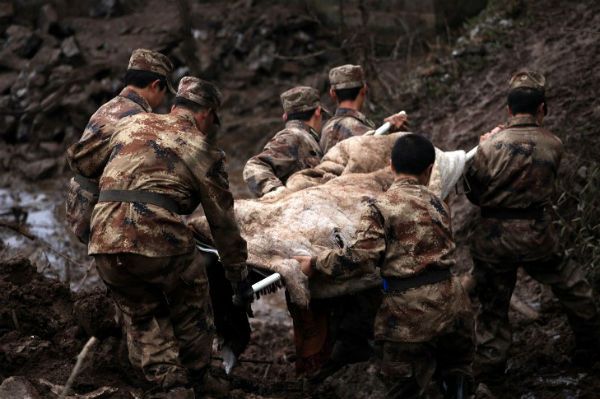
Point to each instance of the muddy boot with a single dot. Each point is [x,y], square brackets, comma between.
[206,384]
[404,388]
[457,386]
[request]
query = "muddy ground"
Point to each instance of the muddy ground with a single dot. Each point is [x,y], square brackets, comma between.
[59,63]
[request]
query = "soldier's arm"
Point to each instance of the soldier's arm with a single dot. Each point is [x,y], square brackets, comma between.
[363,255]
[477,176]
[217,202]
[91,153]
[278,160]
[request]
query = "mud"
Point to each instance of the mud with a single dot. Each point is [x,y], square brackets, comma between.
[56,68]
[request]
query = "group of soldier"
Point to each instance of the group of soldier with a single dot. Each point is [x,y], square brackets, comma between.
[137,172]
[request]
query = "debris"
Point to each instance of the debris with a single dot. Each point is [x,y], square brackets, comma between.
[17,388]
[95,394]
[70,48]
[80,358]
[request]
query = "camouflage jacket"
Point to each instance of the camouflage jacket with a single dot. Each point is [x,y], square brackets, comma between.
[294,148]
[88,156]
[404,232]
[91,146]
[344,124]
[168,155]
[515,169]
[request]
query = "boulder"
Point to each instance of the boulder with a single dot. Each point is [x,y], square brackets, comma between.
[17,387]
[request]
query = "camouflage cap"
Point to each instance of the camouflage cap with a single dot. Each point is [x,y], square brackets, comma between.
[346,77]
[300,99]
[200,92]
[529,79]
[152,61]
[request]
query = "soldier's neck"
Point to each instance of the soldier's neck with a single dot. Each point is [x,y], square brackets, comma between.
[140,92]
[351,104]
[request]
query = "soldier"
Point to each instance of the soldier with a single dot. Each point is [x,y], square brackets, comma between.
[292,149]
[162,166]
[512,179]
[349,91]
[424,325]
[146,83]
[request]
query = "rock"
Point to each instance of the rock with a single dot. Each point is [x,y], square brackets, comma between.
[48,18]
[95,313]
[38,170]
[6,81]
[22,41]
[17,387]
[70,48]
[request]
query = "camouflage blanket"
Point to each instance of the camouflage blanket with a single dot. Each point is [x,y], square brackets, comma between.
[320,210]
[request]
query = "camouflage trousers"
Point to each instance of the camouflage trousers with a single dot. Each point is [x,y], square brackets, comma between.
[166,313]
[407,368]
[334,332]
[495,284]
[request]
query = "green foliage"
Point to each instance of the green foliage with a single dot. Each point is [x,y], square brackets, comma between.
[578,209]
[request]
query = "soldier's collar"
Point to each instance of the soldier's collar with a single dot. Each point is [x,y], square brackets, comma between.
[404,180]
[302,125]
[132,95]
[354,114]
[522,120]
[186,115]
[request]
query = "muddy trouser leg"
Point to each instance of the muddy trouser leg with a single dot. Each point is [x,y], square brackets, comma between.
[311,335]
[568,282]
[192,317]
[355,326]
[137,285]
[455,353]
[494,287]
[406,368]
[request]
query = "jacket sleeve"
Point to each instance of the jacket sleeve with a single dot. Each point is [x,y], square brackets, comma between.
[363,255]
[271,168]
[218,205]
[90,154]
[477,177]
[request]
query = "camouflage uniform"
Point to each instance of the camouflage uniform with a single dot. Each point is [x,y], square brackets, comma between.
[144,251]
[346,122]
[429,324]
[294,148]
[512,179]
[86,156]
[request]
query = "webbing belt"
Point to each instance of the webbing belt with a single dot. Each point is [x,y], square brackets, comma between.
[146,197]
[89,185]
[399,285]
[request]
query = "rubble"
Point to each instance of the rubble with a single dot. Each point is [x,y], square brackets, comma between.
[17,387]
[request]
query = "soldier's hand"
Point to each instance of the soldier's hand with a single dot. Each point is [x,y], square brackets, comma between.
[305,264]
[243,295]
[398,120]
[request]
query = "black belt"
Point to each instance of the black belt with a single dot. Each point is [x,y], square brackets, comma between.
[89,185]
[399,285]
[146,197]
[513,213]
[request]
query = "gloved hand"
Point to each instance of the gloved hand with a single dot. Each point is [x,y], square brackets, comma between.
[243,295]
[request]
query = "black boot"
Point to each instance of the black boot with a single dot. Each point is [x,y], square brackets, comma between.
[457,386]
